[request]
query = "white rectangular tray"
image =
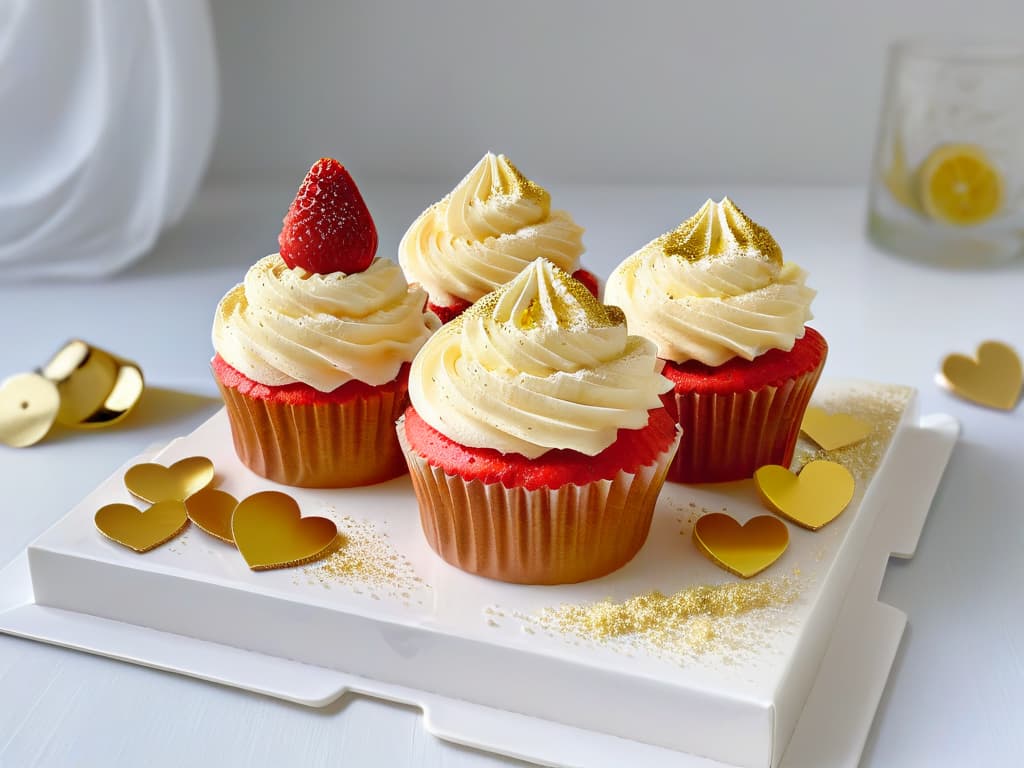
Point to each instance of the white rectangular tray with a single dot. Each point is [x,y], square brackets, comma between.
[198,610]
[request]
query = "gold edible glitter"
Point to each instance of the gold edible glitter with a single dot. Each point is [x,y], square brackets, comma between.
[366,560]
[688,623]
[882,408]
[704,234]
[528,190]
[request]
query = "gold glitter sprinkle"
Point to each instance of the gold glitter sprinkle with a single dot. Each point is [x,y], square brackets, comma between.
[689,623]
[714,230]
[571,304]
[528,190]
[367,560]
[882,408]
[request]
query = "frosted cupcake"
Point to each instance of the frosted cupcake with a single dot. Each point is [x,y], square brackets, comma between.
[494,223]
[537,441]
[313,348]
[728,315]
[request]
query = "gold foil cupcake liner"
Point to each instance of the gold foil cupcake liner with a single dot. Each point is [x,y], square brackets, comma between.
[729,436]
[545,536]
[323,445]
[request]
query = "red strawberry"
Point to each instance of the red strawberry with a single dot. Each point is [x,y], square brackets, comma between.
[328,227]
[589,280]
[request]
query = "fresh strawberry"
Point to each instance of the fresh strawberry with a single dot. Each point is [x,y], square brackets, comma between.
[328,227]
[449,312]
[589,280]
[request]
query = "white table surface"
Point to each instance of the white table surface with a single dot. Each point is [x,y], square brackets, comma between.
[956,694]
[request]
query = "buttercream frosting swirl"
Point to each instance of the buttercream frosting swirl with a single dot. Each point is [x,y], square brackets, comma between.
[282,326]
[714,288]
[536,365]
[494,223]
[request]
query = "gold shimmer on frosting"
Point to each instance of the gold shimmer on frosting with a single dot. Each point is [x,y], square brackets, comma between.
[516,182]
[545,295]
[715,230]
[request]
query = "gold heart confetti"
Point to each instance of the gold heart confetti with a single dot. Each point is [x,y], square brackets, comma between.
[211,511]
[993,378]
[744,550]
[833,430]
[813,499]
[155,483]
[270,532]
[142,531]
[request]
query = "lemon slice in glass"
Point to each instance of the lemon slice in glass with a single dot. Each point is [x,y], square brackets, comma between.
[959,185]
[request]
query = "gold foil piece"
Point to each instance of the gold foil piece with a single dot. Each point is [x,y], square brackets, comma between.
[744,550]
[28,408]
[832,431]
[211,511]
[142,531]
[714,230]
[270,532]
[96,388]
[155,483]
[812,499]
[993,378]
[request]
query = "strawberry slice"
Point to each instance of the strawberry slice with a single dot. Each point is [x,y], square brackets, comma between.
[328,227]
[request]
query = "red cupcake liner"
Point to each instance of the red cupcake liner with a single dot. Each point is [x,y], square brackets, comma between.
[320,445]
[544,536]
[729,435]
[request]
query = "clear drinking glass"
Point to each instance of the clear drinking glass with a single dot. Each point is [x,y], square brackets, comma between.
[947,186]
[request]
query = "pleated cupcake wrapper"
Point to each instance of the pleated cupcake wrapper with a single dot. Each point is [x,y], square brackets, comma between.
[544,536]
[324,445]
[729,436]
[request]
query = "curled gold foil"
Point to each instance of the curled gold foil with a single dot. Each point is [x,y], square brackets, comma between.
[28,408]
[270,532]
[993,377]
[96,388]
[744,550]
[812,499]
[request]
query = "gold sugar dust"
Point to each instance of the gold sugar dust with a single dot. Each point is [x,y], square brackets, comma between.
[366,560]
[722,618]
[703,234]
[882,408]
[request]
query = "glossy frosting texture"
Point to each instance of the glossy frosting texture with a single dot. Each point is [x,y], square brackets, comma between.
[713,289]
[494,223]
[282,326]
[536,365]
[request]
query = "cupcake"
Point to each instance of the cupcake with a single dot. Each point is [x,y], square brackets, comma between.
[537,440]
[494,223]
[313,348]
[727,315]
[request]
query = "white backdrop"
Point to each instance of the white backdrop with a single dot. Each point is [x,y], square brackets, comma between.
[639,90]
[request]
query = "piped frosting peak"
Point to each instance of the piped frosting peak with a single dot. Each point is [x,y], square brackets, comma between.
[482,234]
[542,295]
[719,229]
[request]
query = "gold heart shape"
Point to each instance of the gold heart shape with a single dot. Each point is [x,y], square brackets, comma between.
[155,483]
[270,532]
[142,531]
[833,430]
[211,511]
[993,378]
[813,499]
[746,549]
